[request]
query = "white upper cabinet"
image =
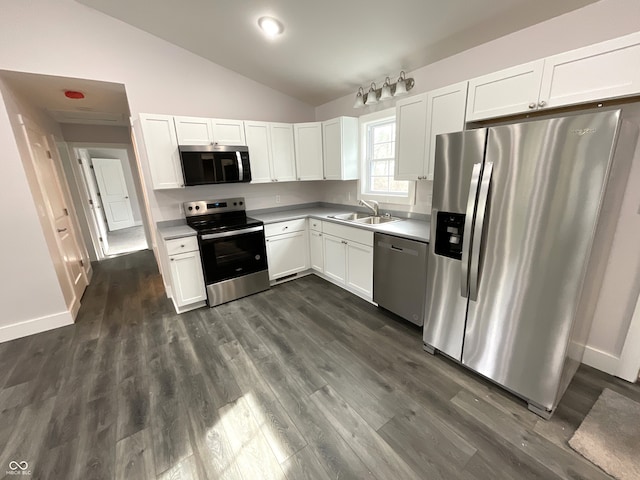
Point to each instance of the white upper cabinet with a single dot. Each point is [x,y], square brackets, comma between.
[509,91]
[207,131]
[257,135]
[194,130]
[411,131]
[308,148]
[340,148]
[597,72]
[283,159]
[605,70]
[228,132]
[271,151]
[161,145]
[445,114]
[419,120]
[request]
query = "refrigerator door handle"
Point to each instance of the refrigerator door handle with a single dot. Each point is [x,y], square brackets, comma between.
[477,230]
[467,238]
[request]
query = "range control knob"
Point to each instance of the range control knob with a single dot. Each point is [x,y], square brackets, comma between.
[241,203]
[235,203]
[190,208]
[197,207]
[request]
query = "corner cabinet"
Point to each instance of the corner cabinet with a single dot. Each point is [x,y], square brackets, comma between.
[340,148]
[161,145]
[419,119]
[308,150]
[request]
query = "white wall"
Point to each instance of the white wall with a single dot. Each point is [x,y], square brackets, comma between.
[594,23]
[95,133]
[31,297]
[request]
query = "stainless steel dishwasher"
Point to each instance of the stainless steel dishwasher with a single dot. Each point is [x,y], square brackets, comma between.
[400,276]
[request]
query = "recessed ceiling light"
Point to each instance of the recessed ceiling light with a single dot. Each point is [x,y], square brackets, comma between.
[270,26]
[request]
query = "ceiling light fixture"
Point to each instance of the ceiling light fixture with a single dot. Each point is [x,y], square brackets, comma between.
[270,26]
[387,91]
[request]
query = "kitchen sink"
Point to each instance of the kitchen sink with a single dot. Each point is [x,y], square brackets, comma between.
[377,220]
[351,217]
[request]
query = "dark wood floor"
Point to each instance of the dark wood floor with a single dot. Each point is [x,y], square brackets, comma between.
[304,381]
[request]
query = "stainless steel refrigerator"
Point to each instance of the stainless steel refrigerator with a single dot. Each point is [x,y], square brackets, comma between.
[523,216]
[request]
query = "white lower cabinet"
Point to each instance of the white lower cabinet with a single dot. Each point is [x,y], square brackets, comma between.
[360,268]
[181,262]
[287,248]
[348,258]
[316,254]
[335,258]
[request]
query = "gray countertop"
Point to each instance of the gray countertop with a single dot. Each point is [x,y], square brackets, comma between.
[406,228]
[174,229]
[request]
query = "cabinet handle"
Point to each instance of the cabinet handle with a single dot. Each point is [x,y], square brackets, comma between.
[181,246]
[542,104]
[276,179]
[532,106]
[284,228]
[172,259]
[60,230]
[298,178]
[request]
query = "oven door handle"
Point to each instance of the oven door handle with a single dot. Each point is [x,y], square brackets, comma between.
[232,233]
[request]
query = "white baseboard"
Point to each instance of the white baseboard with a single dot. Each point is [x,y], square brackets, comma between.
[601,360]
[35,325]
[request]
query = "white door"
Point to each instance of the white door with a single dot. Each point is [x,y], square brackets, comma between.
[161,145]
[283,158]
[287,254]
[509,91]
[73,280]
[315,251]
[193,130]
[259,151]
[335,258]
[187,279]
[411,128]
[308,148]
[96,204]
[228,132]
[113,192]
[332,148]
[360,268]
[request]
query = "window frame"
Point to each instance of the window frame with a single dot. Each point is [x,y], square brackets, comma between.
[363,181]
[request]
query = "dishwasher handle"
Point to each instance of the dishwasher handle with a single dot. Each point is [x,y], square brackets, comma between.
[391,246]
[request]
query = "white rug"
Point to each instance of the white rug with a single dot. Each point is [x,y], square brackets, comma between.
[609,436]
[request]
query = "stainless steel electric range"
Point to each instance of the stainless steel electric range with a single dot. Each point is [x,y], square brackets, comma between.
[232,248]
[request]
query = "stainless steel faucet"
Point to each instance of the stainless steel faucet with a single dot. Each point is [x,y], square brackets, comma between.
[373,205]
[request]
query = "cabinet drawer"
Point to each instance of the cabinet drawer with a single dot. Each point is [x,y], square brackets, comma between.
[315,224]
[285,227]
[182,245]
[348,233]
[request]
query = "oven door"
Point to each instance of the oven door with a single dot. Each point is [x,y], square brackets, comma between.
[228,255]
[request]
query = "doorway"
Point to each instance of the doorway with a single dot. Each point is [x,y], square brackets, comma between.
[113,206]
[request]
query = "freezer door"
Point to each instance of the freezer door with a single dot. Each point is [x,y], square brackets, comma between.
[546,187]
[457,171]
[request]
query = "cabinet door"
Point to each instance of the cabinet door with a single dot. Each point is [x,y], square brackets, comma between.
[606,70]
[257,134]
[228,132]
[194,131]
[316,255]
[187,281]
[360,268]
[340,148]
[287,254]
[445,114]
[509,91]
[411,131]
[335,258]
[161,145]
[308,148]
[283,159]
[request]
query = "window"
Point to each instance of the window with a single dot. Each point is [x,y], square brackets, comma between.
[378,132]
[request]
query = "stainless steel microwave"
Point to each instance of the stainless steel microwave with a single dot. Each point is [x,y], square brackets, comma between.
[211,164]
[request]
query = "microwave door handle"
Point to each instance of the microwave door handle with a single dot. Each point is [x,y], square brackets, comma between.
[467,237]
[233,233]
[478,230]
[240,169]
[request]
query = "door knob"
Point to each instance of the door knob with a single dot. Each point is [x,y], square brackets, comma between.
[60,230]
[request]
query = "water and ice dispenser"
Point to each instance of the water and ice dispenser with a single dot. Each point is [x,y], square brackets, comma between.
[449,234]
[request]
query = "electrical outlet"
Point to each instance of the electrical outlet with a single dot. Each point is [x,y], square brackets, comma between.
[277,198]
